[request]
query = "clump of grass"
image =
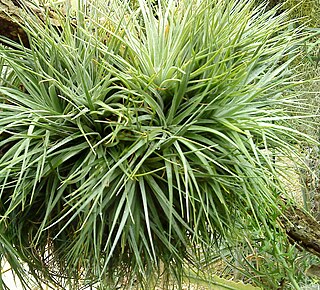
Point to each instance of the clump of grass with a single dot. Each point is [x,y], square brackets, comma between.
[136,139]
[307,12]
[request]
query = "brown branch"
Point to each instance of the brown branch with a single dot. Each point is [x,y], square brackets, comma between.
[11,21]
[302,229]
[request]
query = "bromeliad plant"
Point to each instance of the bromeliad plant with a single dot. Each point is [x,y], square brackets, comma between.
[135,138]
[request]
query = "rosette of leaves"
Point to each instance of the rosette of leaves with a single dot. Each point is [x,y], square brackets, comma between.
[134,139]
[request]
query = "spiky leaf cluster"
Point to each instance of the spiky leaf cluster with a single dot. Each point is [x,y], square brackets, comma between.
[134,138]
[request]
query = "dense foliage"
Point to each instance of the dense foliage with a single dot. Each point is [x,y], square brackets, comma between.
[307,12]
[134,139]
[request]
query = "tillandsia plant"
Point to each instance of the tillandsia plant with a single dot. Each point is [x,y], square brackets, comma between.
[136,138]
